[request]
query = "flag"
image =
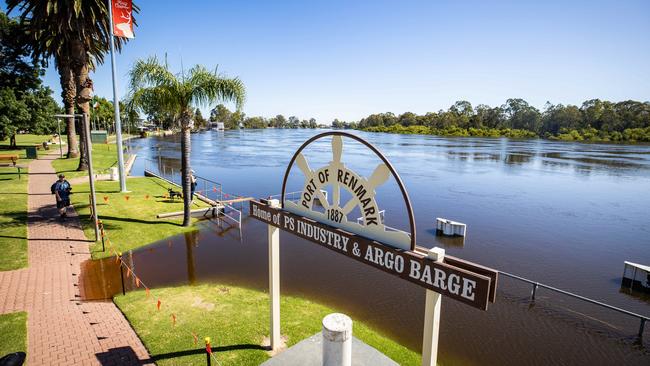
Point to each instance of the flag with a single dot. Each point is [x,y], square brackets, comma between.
[122,18]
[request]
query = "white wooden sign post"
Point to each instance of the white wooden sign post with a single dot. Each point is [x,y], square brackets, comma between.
[368,239]
[274,283]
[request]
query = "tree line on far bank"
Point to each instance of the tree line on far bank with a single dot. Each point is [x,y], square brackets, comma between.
[594,120]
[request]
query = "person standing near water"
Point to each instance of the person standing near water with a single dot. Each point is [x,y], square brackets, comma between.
[192,184]
[61,189]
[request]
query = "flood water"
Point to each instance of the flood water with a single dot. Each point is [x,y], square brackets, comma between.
[563,214]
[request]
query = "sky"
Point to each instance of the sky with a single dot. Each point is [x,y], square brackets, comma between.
[348,59]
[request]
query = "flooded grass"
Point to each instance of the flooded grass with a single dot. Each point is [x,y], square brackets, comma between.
[130,223]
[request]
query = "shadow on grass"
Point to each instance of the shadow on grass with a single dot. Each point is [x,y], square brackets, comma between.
[199,351]
[115,218]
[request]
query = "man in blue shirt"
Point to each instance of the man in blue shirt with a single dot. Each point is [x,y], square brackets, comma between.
[61,189]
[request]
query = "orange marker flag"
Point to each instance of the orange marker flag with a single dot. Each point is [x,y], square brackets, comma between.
[128,272]
[214,189]
[196,338]
[105,199]
[137,282]
[174,319]
[117,258]
[146,197]
[158,305]
[126,198]
[146,290]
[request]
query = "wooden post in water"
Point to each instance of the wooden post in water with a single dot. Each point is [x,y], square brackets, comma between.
[432,317]
[274,284]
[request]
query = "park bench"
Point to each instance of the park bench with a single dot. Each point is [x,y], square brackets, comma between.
[6,158]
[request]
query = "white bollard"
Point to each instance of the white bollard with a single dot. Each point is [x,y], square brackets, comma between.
[337,340]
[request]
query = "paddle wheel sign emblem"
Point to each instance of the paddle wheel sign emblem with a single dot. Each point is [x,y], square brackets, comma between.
[361,190]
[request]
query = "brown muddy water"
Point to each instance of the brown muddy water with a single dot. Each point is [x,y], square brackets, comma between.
[563,214]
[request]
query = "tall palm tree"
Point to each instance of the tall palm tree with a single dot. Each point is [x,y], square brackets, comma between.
[152,83]
[76,34]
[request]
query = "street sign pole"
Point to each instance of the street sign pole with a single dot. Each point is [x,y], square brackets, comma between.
[116,105]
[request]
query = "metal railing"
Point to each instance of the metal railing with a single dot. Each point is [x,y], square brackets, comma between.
[536,285]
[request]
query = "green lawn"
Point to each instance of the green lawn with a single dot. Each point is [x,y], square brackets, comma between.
[104,157]
[236,319]
[13,219]
[13,333]
[133,223]
[22,141]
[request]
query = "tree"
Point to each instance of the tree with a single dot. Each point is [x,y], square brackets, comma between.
[25,104]
[199,121]
[294,122]
[76,34]
[312,123]
[13,115]
[18,71]
[278,121]
[153,82]
[254,122]
[521,115]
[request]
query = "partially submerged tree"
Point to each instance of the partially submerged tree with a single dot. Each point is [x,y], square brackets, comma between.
[153,83]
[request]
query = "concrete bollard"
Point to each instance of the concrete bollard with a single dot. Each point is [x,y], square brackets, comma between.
[337,340]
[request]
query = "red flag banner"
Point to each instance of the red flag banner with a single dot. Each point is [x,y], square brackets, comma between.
[122,18]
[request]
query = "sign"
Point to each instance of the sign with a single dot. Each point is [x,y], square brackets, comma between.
[122,18]
[320,216]
[455,282]
[361,190]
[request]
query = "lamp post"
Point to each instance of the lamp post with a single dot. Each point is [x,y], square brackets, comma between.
[91,177]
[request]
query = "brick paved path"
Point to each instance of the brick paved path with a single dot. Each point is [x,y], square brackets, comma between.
[61,329]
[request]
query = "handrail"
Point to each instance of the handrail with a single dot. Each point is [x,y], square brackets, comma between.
[535,284]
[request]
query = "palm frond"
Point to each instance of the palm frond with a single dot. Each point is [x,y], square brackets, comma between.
[149,73]
[208,87]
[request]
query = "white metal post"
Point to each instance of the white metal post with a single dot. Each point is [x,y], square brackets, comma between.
[116,105]
[274,284]
[58,131]
[91,177]
[432,317]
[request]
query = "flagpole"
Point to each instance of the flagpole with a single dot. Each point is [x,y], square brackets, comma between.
[116,105]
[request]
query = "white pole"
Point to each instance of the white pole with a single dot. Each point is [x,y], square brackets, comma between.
[116,105]
[91,176]
[274,281]
[432,317]
[274,285]
[337,340]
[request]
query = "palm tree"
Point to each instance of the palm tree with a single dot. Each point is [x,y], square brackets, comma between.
[76,34]
[152,83]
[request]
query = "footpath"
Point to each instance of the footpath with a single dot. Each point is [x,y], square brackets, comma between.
[63,330]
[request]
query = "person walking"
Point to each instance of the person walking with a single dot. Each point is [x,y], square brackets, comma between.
[61,189]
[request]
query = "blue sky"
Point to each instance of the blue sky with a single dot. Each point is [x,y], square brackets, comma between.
[347,59]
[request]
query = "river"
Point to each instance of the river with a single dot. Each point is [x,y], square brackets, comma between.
[563,214]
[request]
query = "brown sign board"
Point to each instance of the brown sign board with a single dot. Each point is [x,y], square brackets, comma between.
[464,281]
